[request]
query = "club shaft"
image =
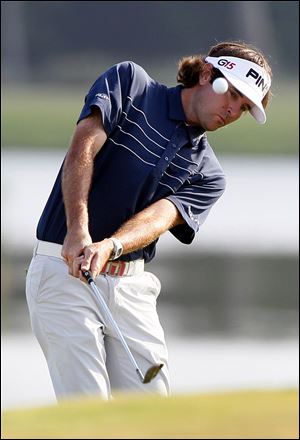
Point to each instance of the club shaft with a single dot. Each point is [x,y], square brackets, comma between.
[116,328]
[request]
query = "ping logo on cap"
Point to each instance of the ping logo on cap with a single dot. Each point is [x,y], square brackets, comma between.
[260,81]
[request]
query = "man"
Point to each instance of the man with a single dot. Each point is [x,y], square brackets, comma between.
[139,164]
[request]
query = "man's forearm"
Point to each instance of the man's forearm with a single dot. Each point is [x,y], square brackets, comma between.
[87,141]
[76,182]
[146,226]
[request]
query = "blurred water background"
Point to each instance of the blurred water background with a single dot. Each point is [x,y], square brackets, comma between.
[229,302]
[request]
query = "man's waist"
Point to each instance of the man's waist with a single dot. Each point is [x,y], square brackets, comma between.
[113,268]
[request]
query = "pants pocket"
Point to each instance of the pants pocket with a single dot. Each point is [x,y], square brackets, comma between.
[154,283]
[34,278]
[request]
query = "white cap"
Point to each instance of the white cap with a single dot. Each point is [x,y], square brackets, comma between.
[248,78]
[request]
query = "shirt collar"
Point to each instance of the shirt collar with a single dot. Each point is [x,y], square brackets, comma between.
[195,134]
[176,111]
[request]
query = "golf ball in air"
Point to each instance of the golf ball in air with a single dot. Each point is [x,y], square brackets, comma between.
[220,86]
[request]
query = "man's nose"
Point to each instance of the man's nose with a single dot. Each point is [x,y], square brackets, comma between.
[232,110]
[229,112]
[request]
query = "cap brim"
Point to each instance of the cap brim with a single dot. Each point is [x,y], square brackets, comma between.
[257,111]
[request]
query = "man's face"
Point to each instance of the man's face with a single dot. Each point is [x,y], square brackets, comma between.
[210,110]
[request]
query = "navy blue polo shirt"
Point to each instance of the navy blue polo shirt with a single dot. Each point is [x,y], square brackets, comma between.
[150,154]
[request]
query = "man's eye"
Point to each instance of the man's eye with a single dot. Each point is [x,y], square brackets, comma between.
[234,94]
[245,108]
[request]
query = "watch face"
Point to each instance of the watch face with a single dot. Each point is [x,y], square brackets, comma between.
[118,249]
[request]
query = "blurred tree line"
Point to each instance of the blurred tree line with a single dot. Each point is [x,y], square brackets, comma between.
[50,41]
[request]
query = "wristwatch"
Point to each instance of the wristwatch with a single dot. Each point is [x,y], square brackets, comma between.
[117,250]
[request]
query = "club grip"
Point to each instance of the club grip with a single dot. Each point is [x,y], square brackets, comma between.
[87,276]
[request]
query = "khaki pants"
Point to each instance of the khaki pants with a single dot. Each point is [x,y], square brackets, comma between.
[83,354]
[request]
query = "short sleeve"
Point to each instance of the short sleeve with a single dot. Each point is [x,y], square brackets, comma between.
[194,201]
[108,93]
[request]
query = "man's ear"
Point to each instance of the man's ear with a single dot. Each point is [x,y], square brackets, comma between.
[206,74]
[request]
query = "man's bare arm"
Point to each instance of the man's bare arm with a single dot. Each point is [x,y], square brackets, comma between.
[77,174]
[149,224]
[138,232]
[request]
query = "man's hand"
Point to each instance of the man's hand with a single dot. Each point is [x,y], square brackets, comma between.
[73,248]
[93,258]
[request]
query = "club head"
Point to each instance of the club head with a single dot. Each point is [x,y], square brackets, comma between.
[152,372]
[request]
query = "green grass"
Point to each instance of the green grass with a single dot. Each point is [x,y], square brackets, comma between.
[44,117]
[236,415]
[40,118]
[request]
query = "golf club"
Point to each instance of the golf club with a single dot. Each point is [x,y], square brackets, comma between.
[154,369]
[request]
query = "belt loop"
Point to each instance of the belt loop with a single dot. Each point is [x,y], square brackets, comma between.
[113,269]
[122,268]
[35,249]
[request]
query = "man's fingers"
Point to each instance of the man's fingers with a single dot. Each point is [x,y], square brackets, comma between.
[76,266]
[86,262]
[71,259]
[90,260]
[95,265]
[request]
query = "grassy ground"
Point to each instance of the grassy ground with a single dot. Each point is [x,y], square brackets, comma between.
[39,117]
[236,415]
[44,117]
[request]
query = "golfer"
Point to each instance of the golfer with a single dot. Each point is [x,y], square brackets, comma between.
[139,164]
